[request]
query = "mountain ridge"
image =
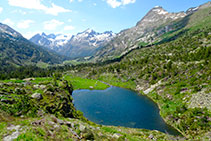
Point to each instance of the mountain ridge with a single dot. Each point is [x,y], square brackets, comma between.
[80,45]
[150,29]
[15,50]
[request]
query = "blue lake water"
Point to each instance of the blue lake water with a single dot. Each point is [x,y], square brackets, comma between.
[120,107]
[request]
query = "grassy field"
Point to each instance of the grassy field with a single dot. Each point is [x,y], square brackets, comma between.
[84,83]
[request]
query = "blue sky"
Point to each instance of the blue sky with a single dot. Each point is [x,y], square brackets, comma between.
[72,16]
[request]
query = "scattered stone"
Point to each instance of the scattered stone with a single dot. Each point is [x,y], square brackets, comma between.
[69,124]
[14,135]
[117,135]
[200,99]
[151,136]
[38,122]
[91,87]
[42,87]
[82,128]
[13,127]
[37,96]
[29,79]
[36,86]
[169,96]
[40,113]
[61,122]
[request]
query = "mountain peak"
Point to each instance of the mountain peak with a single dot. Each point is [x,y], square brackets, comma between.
[159,10]
[89,30]
[43,34]
[158,7]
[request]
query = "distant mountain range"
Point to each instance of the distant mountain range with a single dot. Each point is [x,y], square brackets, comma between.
[15,50]
[81,45]
[157,26]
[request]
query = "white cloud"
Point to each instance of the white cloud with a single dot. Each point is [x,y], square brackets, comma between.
[25,24]
[73,0]
[52,25]
[116,3]
[37,5]
[113,3]
[55,10]
[69,20]
[8,22]
[125,2]
[70,27]
[1,9]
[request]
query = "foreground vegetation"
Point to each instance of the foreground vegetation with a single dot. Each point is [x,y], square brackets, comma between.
[42,109]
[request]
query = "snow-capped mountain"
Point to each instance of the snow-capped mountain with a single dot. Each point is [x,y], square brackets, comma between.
[51,41]
[92,38]
[80,45]
[15,50]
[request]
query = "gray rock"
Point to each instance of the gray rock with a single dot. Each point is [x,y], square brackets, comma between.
[36,86]
[117,135]
[61,122]
[69,124]
[37,96]
[42,87]
[151,136]
[82,128]
[14,135]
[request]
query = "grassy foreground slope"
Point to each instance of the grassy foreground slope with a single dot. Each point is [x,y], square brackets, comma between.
[42,109]
[175,74]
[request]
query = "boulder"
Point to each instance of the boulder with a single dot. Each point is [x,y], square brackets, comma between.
[151,136]
[82,128]
[117,135]
[37,96]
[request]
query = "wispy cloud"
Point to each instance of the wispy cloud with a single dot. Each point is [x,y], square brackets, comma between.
[25,24]
[52,24]
[37,5]
[8,22]
[116,3]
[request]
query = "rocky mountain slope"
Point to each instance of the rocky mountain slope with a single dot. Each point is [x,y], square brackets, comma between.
[15,50]
[151,29]
[81,45]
